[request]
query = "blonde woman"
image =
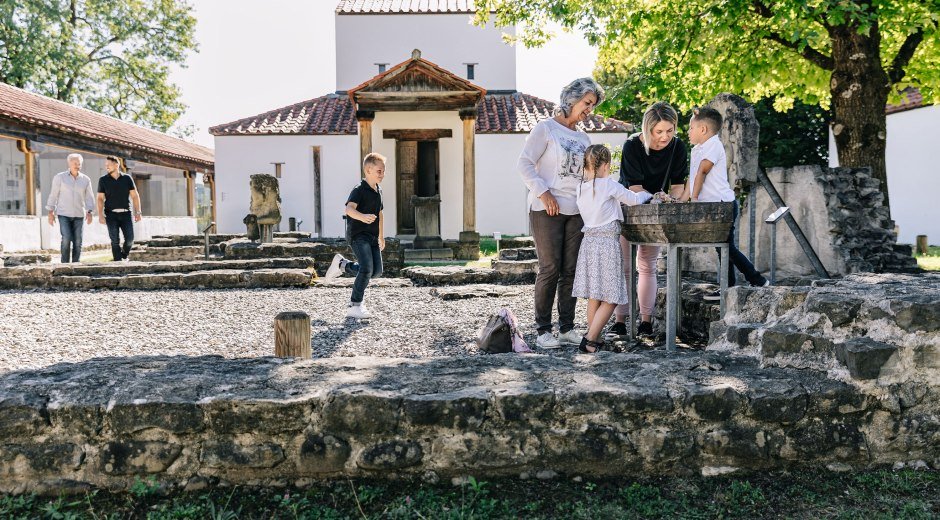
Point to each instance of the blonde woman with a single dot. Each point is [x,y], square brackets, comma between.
[656,161]
[551,166]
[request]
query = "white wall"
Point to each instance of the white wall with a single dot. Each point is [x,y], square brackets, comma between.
[33,233]
[364,40]
[238,157]
[913,172]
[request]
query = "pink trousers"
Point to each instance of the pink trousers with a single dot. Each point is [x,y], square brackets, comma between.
[646,284]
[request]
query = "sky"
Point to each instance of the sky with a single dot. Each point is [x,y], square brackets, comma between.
[259,55]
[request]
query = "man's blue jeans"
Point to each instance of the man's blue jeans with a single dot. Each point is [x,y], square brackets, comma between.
[367,267]
[71,229]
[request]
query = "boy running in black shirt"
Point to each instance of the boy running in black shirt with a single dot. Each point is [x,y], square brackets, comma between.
[364,230]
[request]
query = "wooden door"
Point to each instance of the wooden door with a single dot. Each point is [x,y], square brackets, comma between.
[407,166]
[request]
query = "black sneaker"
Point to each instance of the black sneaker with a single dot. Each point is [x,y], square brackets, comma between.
[645,327]
[617,330]
[712,296]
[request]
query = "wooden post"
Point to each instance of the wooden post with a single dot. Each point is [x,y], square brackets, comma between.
[209,179]
[190,176]
[921,245]
[469,117]
[365,118]
[23,146]
[292,335]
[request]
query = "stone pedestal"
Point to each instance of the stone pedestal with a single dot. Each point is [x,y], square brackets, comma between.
[468,246]
[427,222]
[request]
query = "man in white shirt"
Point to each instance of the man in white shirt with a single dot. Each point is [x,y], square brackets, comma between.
[72,200]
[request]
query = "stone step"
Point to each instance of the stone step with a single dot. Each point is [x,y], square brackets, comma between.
[460,275]
[522,268]
[216,279]
[445,253]
[165,254]
[127,268]
[516,242]
[322,252]
[14,260]
[520,253]
[864,357]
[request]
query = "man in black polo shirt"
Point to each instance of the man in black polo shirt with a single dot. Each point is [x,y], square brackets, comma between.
[364,230]
[114,192]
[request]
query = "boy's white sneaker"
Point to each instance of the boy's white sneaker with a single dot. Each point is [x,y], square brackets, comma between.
[358,311]
[335,269]
[571,338]
[547,341]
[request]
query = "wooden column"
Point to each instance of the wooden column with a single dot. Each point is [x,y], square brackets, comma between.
[190,192]
[209,179]
[365,119]
[23,146]
[469,117]
[292,335]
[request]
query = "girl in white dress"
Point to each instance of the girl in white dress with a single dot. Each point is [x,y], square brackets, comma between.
[599,275]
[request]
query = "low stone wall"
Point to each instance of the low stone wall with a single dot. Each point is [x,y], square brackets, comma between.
[193,421]
[321,250]
[166,254]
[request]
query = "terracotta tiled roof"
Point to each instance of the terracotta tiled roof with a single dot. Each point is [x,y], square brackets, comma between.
[912,99]
[519,113]
[404,6]
[44,112]
[334,114]
[329,114]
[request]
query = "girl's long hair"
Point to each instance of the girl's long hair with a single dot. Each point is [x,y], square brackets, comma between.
[595,156]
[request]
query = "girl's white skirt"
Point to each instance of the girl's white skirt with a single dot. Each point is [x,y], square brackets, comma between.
[599,274]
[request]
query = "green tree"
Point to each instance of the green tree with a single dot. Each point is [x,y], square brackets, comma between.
[792,137]
[852,55]
[111,56]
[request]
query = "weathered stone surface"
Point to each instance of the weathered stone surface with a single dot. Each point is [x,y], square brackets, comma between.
[323,454]
[918,313]
[521,253]
[152,281]
[14,260]
[839,310]
[391,455]
[230,454]
[517,270]
[271,420]
[864,357]
[136,457]
[265,199]
[788,340]
[166,254]
[473,291]
[450,275]
[516,242]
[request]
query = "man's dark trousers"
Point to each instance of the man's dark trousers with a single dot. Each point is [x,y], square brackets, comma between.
[125,224]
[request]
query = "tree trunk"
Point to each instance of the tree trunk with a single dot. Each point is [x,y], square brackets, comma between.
[859,88]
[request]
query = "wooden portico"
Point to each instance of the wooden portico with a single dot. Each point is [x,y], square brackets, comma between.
[419,85]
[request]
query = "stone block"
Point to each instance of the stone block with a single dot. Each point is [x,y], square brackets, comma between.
[522,253]
[418,254]
[777,401]
[71,283]
[524,404]
[473,291]
[793,298]
[45,457]
[229,454]
[321,453]
[840,309]
[22,416]
[461,411]
[128,418]
[125,457]
[152,281]
[740,333]
[918,313]
[450,275]
[281,278]
[713,402]
[445,253]
[239,417]
[216,279]
[360,413]
[864,357]
[787,339]
[391,455]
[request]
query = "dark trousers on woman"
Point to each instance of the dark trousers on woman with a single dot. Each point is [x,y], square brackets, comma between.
[557,242]
[739,261]
[368,265]
[71,229]
[120,223]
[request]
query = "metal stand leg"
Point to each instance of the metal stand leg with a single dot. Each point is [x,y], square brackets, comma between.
[723,278]
[679,254]
[631,290]
[671,297]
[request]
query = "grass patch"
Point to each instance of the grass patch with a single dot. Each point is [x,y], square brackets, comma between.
[884,494]
[930,261]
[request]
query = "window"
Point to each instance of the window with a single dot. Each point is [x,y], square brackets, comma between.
[382,67]
[203,194]
[52,160]
[162,190]
[471,70]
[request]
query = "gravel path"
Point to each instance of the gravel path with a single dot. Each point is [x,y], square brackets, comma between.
[42,328]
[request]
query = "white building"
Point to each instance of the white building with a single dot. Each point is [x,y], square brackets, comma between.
[447,116]
[913,170]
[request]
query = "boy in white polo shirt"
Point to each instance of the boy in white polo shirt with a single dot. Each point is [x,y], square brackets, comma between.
[708,179]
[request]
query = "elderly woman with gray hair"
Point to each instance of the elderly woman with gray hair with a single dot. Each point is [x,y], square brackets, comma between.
[551,166]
